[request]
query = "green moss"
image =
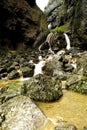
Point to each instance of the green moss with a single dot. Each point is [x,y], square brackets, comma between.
[12,86]
[62,28]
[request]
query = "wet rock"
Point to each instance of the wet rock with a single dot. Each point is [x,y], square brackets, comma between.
[8,92]
[11,68]
[53,67]
[22,114]
[84,128]
[66,127]
[42,88]
[4,75]
[3,70]
[68,68]
[15,63]
[77,81]
[27,71]
[3,90]
[2,116]
[13,74]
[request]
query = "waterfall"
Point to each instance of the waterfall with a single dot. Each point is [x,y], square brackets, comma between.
[39,66]
[49,41]
[67,41]
[49,26]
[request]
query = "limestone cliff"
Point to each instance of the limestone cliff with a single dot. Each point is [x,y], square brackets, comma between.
[69,16]
[22,23]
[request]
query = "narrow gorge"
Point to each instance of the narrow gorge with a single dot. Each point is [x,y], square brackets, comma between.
[43,65]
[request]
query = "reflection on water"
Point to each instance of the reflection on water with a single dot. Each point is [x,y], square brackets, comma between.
[5,82]
[71,108]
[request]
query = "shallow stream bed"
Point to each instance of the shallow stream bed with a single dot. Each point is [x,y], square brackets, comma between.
[71,109]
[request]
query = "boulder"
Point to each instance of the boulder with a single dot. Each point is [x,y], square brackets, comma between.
[13,74]
[66,127]
[53,67]
[22,114]
[77,81]
[42,88]
[27,71]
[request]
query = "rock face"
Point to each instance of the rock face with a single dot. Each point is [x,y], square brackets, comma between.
[80,21]
[69,16]
[21,24]
[53,12]
[22,114]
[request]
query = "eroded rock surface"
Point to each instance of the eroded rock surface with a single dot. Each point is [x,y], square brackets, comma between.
[22,114]
[69,16]
[42,88]
[21,24]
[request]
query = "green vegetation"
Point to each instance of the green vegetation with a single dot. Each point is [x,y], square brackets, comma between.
[62,28]
[12,86]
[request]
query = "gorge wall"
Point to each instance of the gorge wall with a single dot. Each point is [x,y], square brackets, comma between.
[22,24]
[69,16]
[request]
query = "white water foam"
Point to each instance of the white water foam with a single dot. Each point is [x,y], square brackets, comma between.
[67,41]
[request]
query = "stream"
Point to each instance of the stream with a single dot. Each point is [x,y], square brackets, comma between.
[71,109]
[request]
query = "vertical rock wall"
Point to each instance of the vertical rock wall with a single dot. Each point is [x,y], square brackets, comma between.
[69,16]
[21,23]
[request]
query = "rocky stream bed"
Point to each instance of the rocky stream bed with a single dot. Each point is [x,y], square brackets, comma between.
[17,101]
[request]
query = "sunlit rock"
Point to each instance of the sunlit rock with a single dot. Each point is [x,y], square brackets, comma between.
[22,114]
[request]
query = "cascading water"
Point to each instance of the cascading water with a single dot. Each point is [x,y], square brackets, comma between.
[49,41]
[38,66]
[67,41]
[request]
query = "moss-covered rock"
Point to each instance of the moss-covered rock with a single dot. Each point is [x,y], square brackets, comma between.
[77,83]
[62,28]
[42,88]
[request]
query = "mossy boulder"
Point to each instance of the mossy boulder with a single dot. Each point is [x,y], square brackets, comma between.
[42,88]
[77,83]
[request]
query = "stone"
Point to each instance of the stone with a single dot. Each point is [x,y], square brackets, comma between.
[42,88]
[27,71]
[13,74]
[22,114]
[66,127]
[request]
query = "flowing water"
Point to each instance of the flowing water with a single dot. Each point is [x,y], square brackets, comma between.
[67,41]
[71,108]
